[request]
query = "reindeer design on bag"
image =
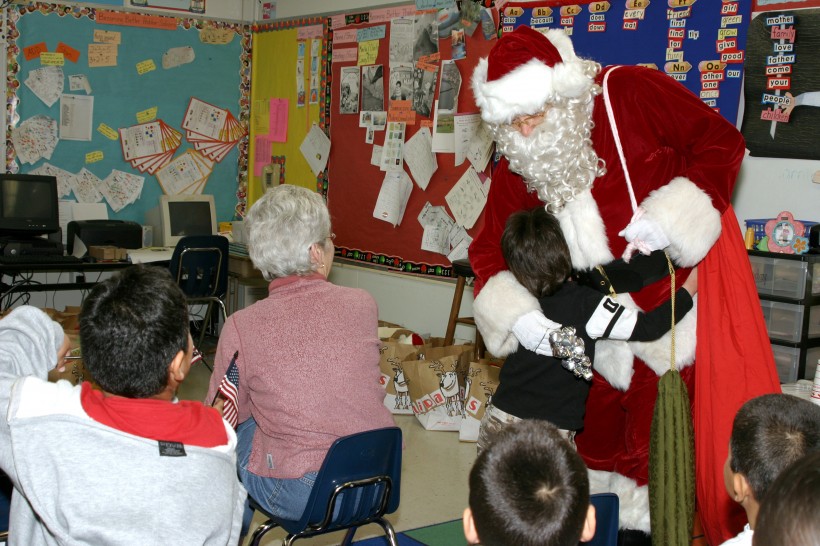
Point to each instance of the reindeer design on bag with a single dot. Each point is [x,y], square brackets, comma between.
[448,385]
[400,384]
[468,383]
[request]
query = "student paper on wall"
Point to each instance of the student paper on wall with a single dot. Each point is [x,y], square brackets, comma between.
[178,56]
[481,148]
[79,82]
[76,117]
[437,225]
[121,189]
[393,196]
[393,149]
[188,170]
[467,198]
[35,138]
[316,148]
[401,40]
[443,132]
[464,128]
[85,184]
[46,83]
[420,158]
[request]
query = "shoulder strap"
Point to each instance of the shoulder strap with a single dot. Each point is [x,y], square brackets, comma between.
[617,136]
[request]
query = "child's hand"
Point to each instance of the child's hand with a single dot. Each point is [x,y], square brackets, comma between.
[219,404]
[691,284]
[62,353]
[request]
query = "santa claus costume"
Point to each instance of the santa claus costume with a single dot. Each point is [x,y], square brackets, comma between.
[676,169]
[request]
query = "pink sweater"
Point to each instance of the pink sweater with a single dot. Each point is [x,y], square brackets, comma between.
[308,371]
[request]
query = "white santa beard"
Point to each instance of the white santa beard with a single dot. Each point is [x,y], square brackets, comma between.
[557,159]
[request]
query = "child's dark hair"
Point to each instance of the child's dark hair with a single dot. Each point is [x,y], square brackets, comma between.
[788,515]
[769,433]
[529,487]
[535,251]
[131,328]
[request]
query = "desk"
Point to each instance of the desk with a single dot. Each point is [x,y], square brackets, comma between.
[25,283]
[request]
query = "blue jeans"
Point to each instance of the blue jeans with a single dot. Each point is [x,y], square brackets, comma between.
[282,498]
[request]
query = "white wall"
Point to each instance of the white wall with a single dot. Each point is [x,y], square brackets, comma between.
[299,8]
[419,303]
[767,186]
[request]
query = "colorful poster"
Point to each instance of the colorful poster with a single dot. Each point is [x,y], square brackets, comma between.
[781,116]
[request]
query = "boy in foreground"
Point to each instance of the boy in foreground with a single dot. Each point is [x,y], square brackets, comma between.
[769,433]
[529,487]
[127,464]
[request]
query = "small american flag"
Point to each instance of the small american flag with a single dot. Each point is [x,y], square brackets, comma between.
[228,389]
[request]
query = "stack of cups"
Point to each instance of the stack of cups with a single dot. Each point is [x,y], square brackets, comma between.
[815,390]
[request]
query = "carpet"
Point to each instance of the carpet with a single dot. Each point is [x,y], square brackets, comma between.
[450,533]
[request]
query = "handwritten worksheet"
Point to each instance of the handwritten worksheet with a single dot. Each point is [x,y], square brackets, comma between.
[467,198]
[419,156]
[393,196]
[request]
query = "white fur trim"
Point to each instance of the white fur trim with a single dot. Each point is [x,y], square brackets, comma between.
[528,87]
[686,215]
[584,232]
[523,90]
[633,499]
[501,302]
[613,360]
[656,353]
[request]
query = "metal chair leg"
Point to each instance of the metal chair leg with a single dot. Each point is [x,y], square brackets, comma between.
[261,531]
[348,539]
[388,530]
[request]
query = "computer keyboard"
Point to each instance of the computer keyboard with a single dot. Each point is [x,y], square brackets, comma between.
[39,259]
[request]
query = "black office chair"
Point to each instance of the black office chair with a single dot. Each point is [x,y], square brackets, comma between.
[366,469]
[200,266]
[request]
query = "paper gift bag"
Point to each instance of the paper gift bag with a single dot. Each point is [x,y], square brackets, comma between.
[393,379]
[436,386]
[480,384]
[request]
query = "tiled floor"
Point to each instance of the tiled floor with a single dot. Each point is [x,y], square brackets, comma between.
[435,466]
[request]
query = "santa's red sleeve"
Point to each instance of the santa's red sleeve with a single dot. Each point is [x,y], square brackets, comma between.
[500,299]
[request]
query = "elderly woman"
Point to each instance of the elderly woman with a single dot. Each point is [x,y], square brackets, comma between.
[308,354]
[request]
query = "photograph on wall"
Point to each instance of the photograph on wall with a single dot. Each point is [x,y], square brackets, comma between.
[426,36]
[401,81]
[424,87]
[373,87]
[349,90]
[781,116]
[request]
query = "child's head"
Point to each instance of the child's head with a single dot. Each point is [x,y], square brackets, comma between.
[535,251]
[769,433]
[529,487]
[788,514]
[133,326]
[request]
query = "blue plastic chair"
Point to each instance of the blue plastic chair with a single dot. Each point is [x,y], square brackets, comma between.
[200,266]
[607,509]
[358,483]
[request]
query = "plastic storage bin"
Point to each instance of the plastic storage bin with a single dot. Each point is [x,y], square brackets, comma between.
[783,320]
[786,360]
[778,277]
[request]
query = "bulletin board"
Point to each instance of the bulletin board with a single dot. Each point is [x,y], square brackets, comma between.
[700,44]
[783,68]
[354,183]
[218,73]
[279,46]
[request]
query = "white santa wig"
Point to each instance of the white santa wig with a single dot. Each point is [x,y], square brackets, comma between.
[526,70]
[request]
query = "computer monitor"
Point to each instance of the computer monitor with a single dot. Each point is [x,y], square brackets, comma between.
[179,215]
[28,205]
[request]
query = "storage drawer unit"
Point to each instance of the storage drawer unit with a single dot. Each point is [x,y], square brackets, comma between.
[789,290]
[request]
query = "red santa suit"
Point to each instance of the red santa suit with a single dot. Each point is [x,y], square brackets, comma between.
[682,159]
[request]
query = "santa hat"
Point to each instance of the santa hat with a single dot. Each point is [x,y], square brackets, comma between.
[525,70]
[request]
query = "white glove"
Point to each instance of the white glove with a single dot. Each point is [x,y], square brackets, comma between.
[643,235]
[533,332]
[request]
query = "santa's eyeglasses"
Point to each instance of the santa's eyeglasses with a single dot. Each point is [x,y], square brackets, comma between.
[529,121]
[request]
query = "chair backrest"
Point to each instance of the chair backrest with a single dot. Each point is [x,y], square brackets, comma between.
[200,265]
[607,511]
[364,467]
